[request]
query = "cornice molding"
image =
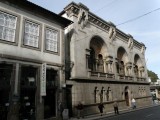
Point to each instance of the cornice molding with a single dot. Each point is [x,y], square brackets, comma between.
[73,9]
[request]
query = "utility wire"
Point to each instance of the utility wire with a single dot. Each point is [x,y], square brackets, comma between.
[133,19]
[117,25]
[105,6]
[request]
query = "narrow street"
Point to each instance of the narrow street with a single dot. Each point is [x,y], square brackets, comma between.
[152,113]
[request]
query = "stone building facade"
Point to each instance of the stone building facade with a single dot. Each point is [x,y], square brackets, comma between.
[31,61]
[102,63]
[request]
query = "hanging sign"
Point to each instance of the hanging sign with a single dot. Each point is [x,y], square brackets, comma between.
[43,80]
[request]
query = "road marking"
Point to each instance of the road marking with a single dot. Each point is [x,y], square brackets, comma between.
[149,115]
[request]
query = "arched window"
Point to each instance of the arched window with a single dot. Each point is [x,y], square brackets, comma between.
[100,65]
[98,49]
[91,60]
[122,57]
[138,64]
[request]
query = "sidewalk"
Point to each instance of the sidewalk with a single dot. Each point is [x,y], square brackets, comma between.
[109,114]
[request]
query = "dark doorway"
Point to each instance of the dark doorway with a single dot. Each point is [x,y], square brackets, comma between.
[49,104]
[69,99]
[126,96]
[50,98]
[6,71]
[27,92]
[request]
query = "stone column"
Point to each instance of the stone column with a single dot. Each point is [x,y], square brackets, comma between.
[105,66]
[141,70]
[16,79]
[109,67]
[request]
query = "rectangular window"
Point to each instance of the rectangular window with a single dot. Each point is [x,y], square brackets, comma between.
[31,34]
[7,27]
[51,40]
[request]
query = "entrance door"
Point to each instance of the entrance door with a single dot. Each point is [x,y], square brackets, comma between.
[127,98]
[27,92]
[69,99]
[50,98]
[5,77]
[49,104]
[126,95]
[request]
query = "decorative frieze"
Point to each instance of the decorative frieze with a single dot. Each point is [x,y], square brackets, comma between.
[98,22]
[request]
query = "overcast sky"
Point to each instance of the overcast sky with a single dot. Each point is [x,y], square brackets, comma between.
[146,29]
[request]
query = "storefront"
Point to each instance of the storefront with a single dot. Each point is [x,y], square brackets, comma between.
[20,98]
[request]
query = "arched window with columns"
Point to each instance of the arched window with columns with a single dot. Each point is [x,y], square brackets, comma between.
[138,67]
[98,49]
[122,59]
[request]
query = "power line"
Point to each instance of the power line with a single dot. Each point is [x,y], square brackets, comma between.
[105,6]
[133,19]
[118,25]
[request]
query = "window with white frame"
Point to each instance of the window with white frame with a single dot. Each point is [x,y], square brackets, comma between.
[31,34]
[7,27]
[51,40]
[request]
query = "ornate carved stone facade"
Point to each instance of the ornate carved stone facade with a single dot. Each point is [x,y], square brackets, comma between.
[108,64]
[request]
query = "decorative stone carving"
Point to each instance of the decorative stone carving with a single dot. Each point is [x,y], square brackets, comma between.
[130,43]
[136,70]
[72,11]
[82,18]
[129,67]
[112,34]
[141,68]
[143,49]
[109,60]
[96,94]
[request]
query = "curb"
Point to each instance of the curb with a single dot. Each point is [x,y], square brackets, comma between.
[110,114]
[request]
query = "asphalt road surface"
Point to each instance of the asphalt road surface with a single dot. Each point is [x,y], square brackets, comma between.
[152,113]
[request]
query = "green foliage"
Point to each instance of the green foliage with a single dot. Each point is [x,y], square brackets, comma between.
[153,76]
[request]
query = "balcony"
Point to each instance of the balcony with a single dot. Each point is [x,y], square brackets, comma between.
[123,77]
[101,75]
[141,79]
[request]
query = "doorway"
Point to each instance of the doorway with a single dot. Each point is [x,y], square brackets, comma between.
[27,92]
[68,95]
[50,98]
[6,71]
[126,95]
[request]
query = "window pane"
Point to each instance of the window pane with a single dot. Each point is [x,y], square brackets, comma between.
[1,19]
[51,40]
[31,37]
[7,27]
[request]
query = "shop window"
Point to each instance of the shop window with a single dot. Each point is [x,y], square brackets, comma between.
[28,76]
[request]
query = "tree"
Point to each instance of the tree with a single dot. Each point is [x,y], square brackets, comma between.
[153,76]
